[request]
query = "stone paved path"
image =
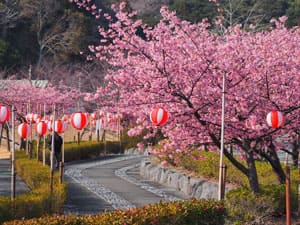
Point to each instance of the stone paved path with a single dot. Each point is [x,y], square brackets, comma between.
[5,176]
[115,183]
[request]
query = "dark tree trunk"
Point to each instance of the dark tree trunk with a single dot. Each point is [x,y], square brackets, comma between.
[276,166]
[295,152]
[252,172]
[272,157]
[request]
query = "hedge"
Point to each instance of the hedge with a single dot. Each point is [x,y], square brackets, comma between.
[191,212]
[39,200]
[84,150]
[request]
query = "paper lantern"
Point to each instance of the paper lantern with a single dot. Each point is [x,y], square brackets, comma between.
[50,125]
[59,126]
[24,130]
[4,114]
[101,113]
[275,119]
[36,118]
[65,118]
[110,117]
[41,128]
[29,117]
[79,120]
[159,116]
[46,118]
[94,116]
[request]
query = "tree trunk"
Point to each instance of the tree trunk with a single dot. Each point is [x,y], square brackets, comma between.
[273,159]
[276,166]
[295,153]
[252,172]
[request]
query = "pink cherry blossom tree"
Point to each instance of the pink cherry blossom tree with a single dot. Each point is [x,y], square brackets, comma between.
[22,93]
[181,66]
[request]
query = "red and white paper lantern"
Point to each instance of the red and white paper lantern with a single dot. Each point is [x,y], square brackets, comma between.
[24,130]
[36,118]
[159,116]
[110,117]
[101,113]
[65,118]
[79,120]
[29,117]
[46,118]
[50,125]
[94,116]
[59,126]
[275,119]
[4,114]
[41,128]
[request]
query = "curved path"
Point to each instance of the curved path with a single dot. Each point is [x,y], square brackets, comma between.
[114,183]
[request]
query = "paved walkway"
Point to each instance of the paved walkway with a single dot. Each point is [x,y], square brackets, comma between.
[112,184]
[5,176]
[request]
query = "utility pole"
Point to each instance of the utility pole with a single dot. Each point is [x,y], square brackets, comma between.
[221,166]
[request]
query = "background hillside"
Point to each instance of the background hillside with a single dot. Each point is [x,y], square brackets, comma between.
[49,34]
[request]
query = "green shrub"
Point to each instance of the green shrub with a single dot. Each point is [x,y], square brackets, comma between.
[191,212]
[244,206]
[39,200]
[131,142]
[84,150]
[206,164]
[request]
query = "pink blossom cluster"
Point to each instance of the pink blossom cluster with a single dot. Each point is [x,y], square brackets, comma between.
[181,66]
[22,95]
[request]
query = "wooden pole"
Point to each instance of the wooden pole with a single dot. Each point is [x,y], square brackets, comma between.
[1,135]
[61,164]
[44,138]
[13,173]
[61,172]
[63,137]
[27,142]
[98,132]
[52,153]
[78,137]
[298,136]
[104,134]
[119,133]
[224,170]
[91,128]
[38,138]
[7,136]
[288,196]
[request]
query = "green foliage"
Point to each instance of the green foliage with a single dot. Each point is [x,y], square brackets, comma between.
[84,150]
[39,200]
[193,10]
[8,56]
[72,29]
[191,212]
[244,206]
[131,142]
[293,13]
[206,164]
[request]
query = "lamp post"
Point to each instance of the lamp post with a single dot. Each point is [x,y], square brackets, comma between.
[221,186]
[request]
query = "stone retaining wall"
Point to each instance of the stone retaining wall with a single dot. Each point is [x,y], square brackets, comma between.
[194,187]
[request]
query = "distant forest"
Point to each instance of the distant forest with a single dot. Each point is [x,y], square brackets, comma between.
[36,31]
